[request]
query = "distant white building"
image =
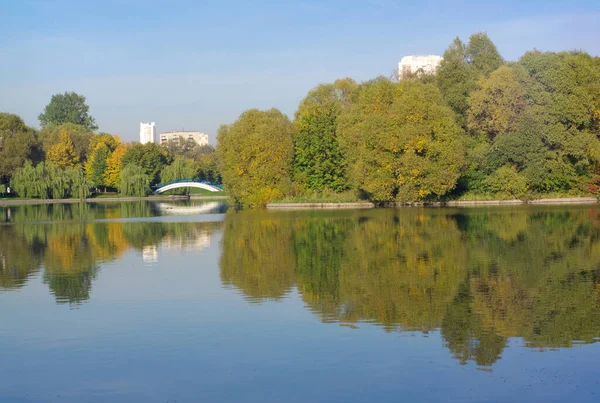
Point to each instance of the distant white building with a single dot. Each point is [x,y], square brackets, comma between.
[413,64]
[147,132]
[183,136]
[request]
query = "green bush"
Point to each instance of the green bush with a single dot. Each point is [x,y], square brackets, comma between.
[507,180]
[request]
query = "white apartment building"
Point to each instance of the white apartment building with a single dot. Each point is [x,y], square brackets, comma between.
[413,64]
[147,132]
[183,136]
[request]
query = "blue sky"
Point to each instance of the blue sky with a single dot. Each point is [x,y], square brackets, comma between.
[199,64]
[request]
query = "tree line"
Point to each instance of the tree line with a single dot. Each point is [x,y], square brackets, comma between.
[68,158]
[479,127]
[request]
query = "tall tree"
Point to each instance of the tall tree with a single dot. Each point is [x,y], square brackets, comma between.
[69,107]
[462,67]
[455,78]
[402,142]
[482,54]
[95,168]
[255,156]
[63,153]
[318,160]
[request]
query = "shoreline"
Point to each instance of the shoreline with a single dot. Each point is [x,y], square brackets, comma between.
[455,203]
[16,202]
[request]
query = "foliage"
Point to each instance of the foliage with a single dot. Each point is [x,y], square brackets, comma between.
[206,166]
[18,143]
[63,153]
[255,156]
[151,157]
[455,78]
[81,137]
[402,142]
[69,107]
[134,181]
[96,165]
[507,180]
[482,54]
[49,181]
[462,67]
[114,165]
[318,160]
[179,169]
[499,101]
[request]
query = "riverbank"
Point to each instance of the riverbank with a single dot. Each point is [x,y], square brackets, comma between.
[454,203]
[16,202]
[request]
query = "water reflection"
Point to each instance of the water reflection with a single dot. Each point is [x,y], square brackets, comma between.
[72,249]
[480,276]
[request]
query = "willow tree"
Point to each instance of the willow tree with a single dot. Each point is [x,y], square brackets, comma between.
[134,181]
[402,142]
[181,168]
[318,161]
[255,156]
[49,181]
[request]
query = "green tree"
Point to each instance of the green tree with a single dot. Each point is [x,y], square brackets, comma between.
[69,107]
[482,54]
[18,143]
[402,142]
[255,156]
[181,168]
[48,181]
[95,168]
[151,157]
[455,78]
[318,160]
[499,101]
[462,67]
[134,181]
[206,166]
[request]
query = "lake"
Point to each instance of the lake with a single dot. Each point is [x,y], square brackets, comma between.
[191,302]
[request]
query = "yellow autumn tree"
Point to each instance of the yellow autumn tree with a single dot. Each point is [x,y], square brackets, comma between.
[63,153]
[114,165]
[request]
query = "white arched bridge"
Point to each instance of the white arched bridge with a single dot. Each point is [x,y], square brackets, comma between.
[187,183]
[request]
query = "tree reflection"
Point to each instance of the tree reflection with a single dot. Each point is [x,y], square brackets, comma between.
[71,251]
[481,276]
[259,259]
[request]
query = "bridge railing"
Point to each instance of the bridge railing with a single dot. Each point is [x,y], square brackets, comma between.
[184,180]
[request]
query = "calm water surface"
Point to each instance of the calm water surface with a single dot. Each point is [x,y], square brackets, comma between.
[157,302]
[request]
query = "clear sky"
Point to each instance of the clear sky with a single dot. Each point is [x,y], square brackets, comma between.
[199,64]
